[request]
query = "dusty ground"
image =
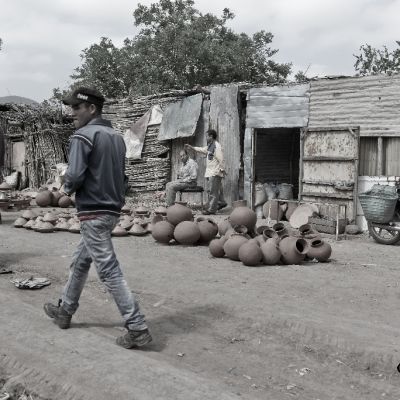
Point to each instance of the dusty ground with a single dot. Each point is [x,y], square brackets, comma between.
[221,330]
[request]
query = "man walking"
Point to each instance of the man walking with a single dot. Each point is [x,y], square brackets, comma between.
[187,177]
[215,171]
[96,174]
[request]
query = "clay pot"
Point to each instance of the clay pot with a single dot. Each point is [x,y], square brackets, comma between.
[187,232]
[270,252]
[178,213]
[20,222]
[64,201]
[232,245]
[37,223]
[308,232]
[216,248]
[28,214]
[61,226]
[208,230]
[223,226]
[290,209]
[260,239]
[43,199]
[137,230]
[56,195]
[29,224]
[320,250]
[142,210]
[301,214]
[161,210]
[250,254]
[126,223]
[293,250]
[269,233]
[239,203]
[281,230]
[272,210]
[163,232]
[50,217]
[243,216]
[237,229]
[118,231]
[260,229]
[254,241]
[45,227]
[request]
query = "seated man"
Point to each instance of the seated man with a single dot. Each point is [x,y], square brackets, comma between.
[187,177]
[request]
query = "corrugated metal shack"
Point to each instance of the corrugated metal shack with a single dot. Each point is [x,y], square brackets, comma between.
[336,130]
[33,139]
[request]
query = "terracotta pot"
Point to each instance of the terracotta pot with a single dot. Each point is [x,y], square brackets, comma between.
[250,254]
[187,232]
[216,248]
[260,239]
[290,209]
[243,216]
[281,230]
[119,231]
[320,250]
[137,230]
[29,214]
[161,210]
[178,213]
[270,233]
[43,199]
[20,222]
[270,251]
[64,201]
[223,226]
[208,230]
[75,227]
[254,241]
[238,229]
[126,223]
[232,245]
[56,195]
[293,250]
[163,232]
[45,227]
[50,217]
[29,224]
[260,229]
[62,226]
[272,210]
[239,203]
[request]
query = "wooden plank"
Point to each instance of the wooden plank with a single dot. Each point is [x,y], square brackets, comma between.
[248,165]
[327,158]
[293,122]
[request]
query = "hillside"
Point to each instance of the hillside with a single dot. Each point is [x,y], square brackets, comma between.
[17,100]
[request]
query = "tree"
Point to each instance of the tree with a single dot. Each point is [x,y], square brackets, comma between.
[1,42]
[372,61]
[179,47]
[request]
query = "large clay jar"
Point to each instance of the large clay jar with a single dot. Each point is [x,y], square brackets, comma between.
[64,201]
[270,251]
[269,233]
[308,232]
[281,230]
[163,232]
[187,232]
[243,216]
[178,213]
[250,254]
[320,250]
[216,248]
[223,226]
[208,230]
[232,246]
[237,229]
[293,250]
[56,195]
[43,199]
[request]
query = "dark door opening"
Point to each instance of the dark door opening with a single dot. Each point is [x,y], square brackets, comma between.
[277,156]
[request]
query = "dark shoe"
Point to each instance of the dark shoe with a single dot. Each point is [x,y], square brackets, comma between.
[208,212]
[222,205]
[134,339]
[60,316]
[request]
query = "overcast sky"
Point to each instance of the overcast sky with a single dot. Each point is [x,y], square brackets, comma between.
[42,39]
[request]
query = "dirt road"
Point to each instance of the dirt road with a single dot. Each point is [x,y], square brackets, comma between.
[221,330]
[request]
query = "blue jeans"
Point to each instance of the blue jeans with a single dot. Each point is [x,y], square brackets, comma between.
[96,246]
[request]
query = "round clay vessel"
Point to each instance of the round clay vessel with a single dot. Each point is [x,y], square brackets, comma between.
[272,210]
[137,230]
[250,254]
[163,232]
[29,214]
[45,227]
[270,251]
[208,230]
[280,229]
[232,245]
[56,195]
[119,231]
[20,222]
[243,216]
[223,226]
[269,233]
[320,250]
[260,229]
[43,199]
[237,229]
[64,201]
[187,232]
[290,209]
[254,241]
[178,213]
[216,248]
[293,250]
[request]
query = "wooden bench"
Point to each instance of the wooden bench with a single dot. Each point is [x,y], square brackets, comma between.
[192,189]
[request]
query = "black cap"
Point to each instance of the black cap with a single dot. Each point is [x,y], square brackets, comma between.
[82,94]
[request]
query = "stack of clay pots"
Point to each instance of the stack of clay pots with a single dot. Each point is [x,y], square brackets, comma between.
[53,198]
[240,240]
[179,225]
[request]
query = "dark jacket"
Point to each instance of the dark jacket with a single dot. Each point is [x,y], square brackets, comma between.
[96,169]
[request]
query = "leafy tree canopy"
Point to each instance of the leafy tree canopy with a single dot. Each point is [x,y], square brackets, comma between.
[372,61]
[179,47]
